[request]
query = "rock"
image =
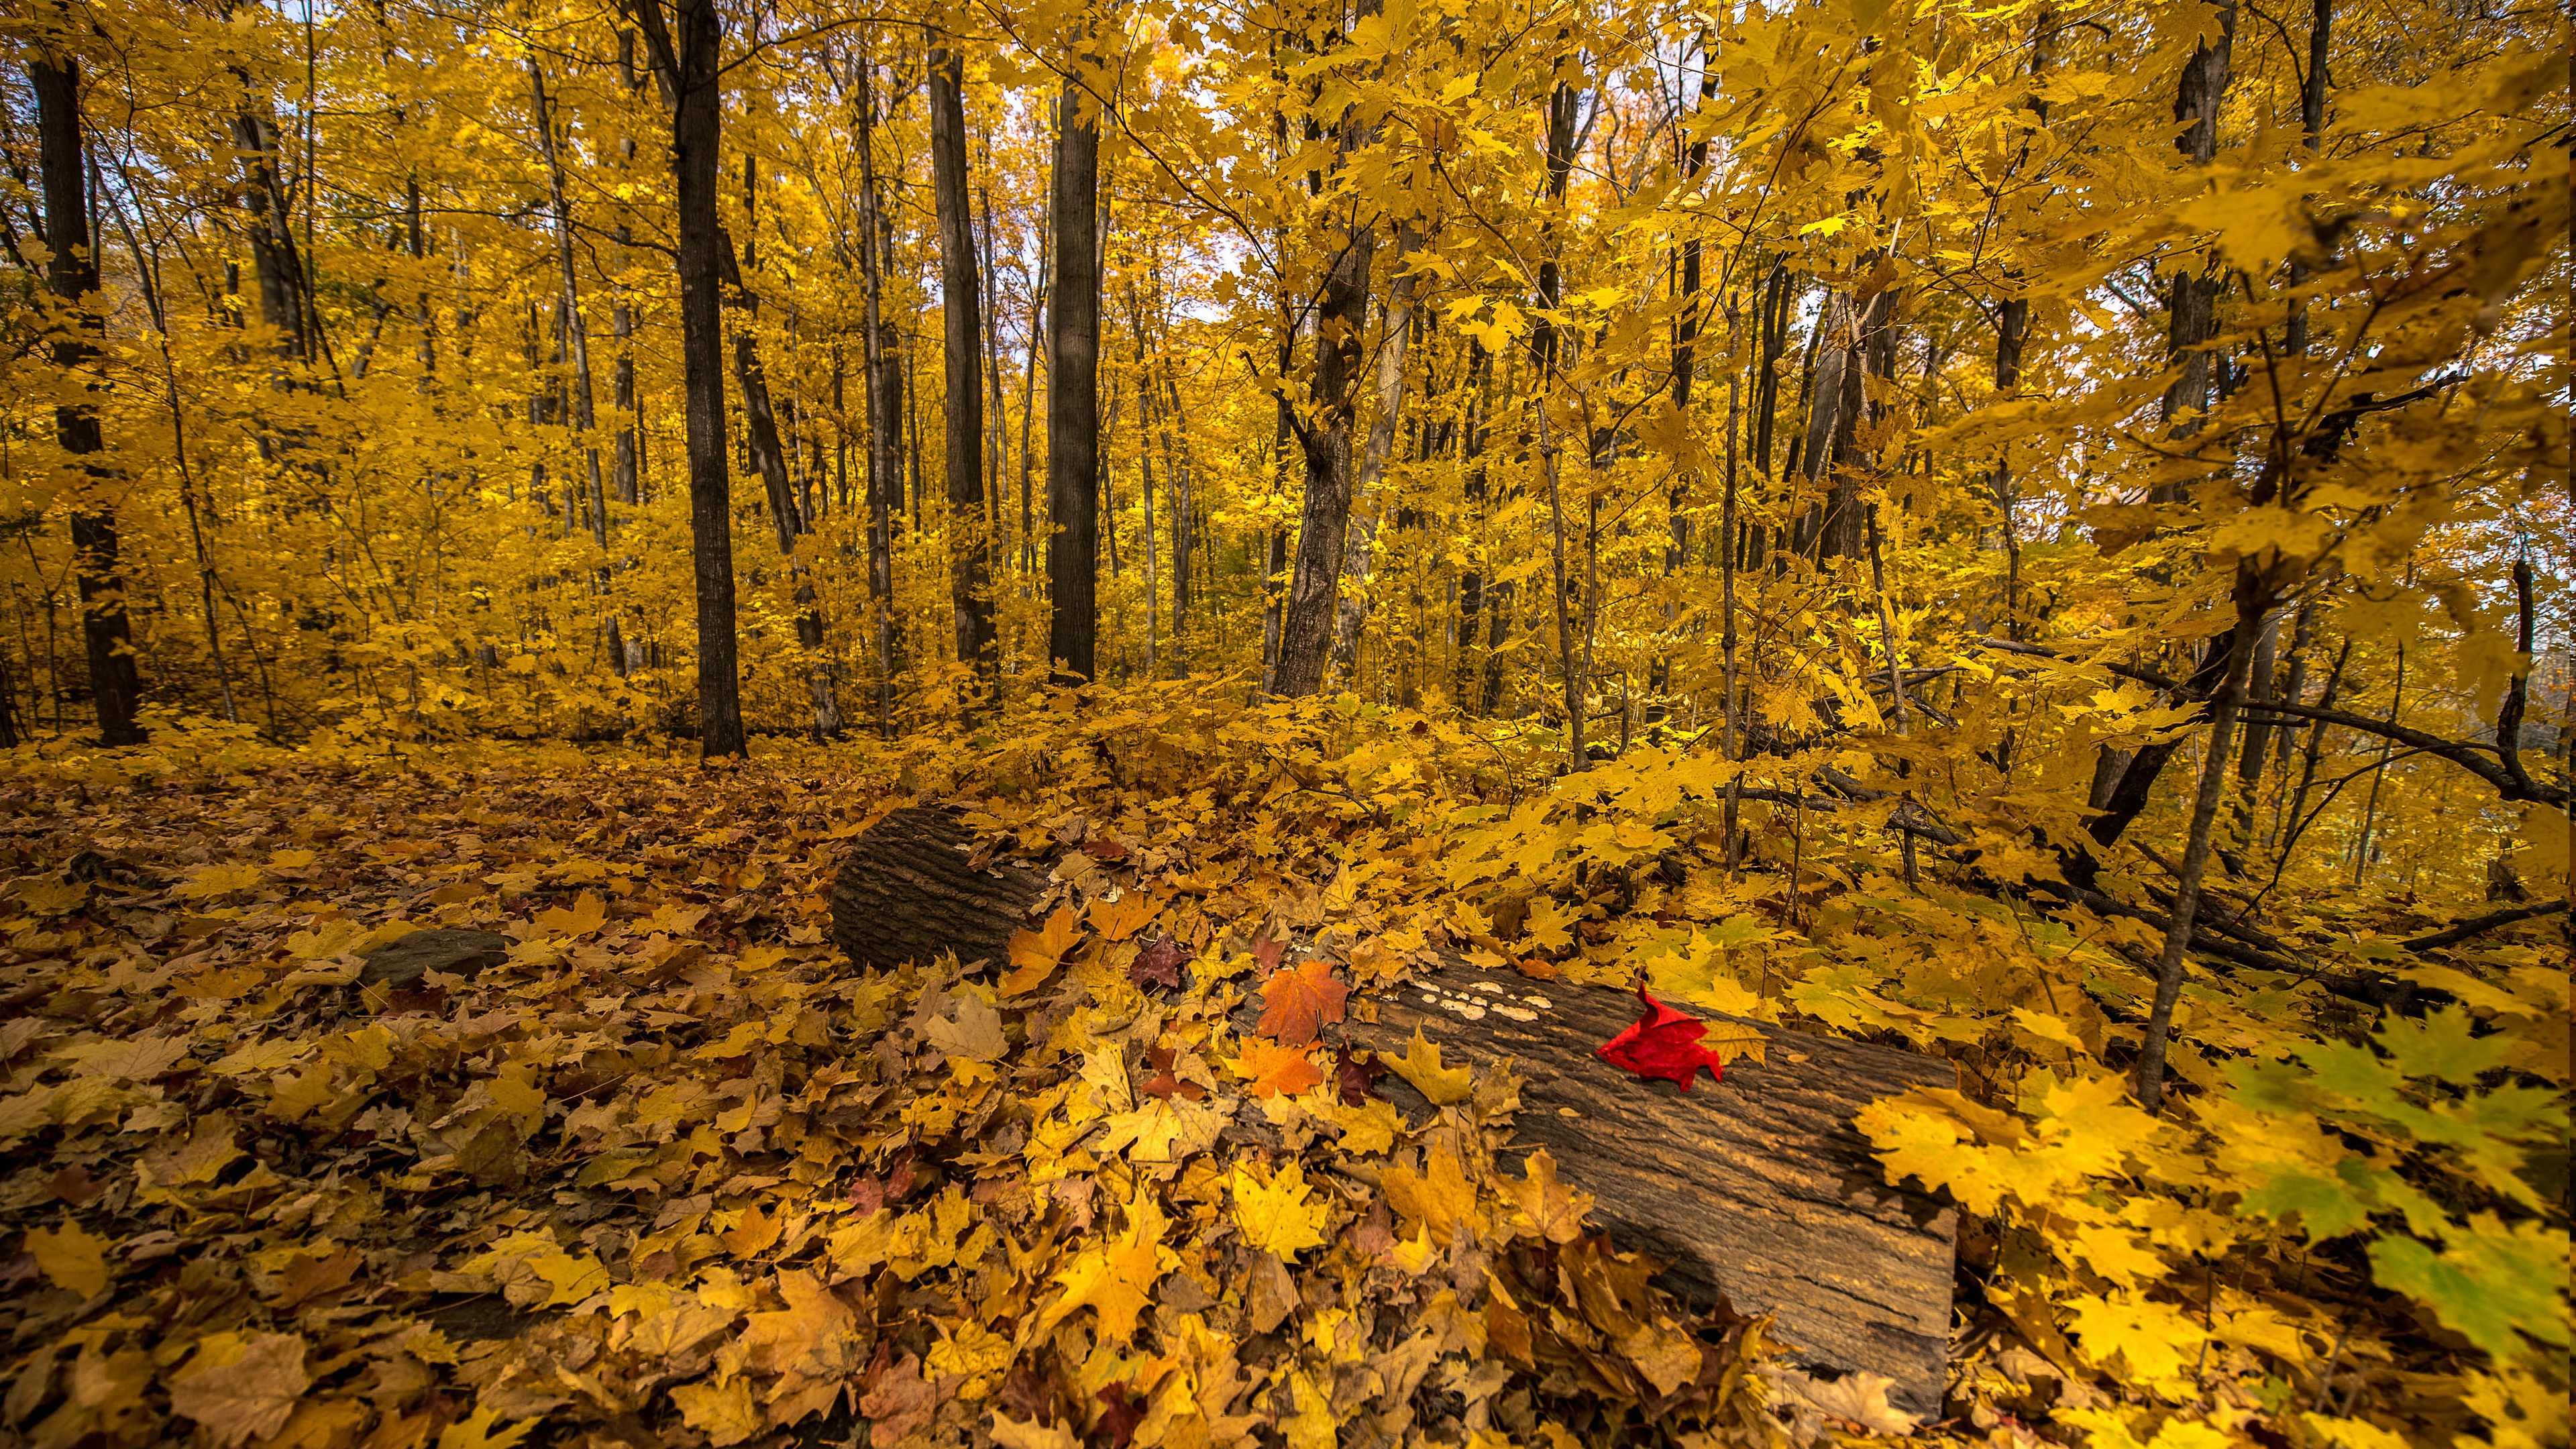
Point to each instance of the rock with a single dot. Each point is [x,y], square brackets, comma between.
[401,965]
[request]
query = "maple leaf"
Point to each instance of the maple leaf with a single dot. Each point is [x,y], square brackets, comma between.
[1662,1043]
[476,1431]
[586,915]
[1122,1410]
[1160,964]
[1036,954]
[1547,1208]
[1355,1075]
[1439,1197]
[1013,1433]
[1117,920]
[242,1388]
[1114,1278]
[1274,1215]
[72,1256]
[1163,1083]
[722,1410]
[1274,1069]
[972,1029]
[1443,1085]
[1297,1001]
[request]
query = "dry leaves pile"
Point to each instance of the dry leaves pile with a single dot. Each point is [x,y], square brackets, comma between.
[673,1172]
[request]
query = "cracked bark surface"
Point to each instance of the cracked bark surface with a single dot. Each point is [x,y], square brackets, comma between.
[1758,1188]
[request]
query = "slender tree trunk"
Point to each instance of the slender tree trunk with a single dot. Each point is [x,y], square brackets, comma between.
[2196,846]
[882,394]
[72,274]
[691,64]
[1306,625]
[1356,564]
[961,293]
[1073,394]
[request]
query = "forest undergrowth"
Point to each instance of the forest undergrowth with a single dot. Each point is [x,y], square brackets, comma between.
[678,1173]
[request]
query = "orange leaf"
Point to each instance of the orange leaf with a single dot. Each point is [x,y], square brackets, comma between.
[1036,954]
[1275,1069]
[1119,920]
[1298,1000]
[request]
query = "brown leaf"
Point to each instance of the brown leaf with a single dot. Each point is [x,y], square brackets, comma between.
[899,1402]
[242,1388]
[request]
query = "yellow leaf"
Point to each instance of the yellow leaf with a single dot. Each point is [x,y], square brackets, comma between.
[1118,920]
[71,1257]
[1439,1196]
[1114,1278]
[721,1411]
[587,914]
[1274,1215]
[1421,1065]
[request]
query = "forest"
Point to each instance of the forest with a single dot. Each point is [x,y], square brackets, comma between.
[2027,544]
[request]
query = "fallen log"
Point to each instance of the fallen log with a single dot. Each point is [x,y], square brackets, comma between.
[1758,1187]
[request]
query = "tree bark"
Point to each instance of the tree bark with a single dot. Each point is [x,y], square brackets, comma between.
[883,391]
[1073,395]
[690,63]
[72,274]
[1356,562]
[961,294]
[1306,625]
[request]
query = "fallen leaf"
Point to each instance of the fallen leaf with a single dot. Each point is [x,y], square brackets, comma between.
[1442,1084]
[721,1409]
[899,1403]
[1297,1001]
[242,1388]
[1662,1043]
[1274,1069]
[72,1256]
[1124,917]
[1272,1212]
[1160,964]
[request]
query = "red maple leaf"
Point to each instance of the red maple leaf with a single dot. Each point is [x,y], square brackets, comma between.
[1662,1043]
[1160,964]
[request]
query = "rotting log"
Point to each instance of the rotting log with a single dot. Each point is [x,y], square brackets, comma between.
[1758,1187]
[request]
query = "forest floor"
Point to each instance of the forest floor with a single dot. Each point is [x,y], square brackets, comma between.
[675,1172]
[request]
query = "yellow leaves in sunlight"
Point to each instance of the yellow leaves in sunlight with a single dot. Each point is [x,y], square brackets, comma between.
[72,1257]
[1271,1210]
[1421,1065]
[721,1409]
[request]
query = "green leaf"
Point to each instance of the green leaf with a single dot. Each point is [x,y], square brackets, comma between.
[2440,1045]
[2496,1285]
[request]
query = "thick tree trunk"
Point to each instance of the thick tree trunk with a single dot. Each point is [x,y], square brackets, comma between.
[961,294]
[72,273]
[691,65]
[1073,394]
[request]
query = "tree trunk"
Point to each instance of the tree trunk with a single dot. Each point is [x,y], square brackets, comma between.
[691,64]
[961,297]
[883,391]
[72,273]
[1757,1186]
[1353,614]
[1306,626]
[1073,394]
